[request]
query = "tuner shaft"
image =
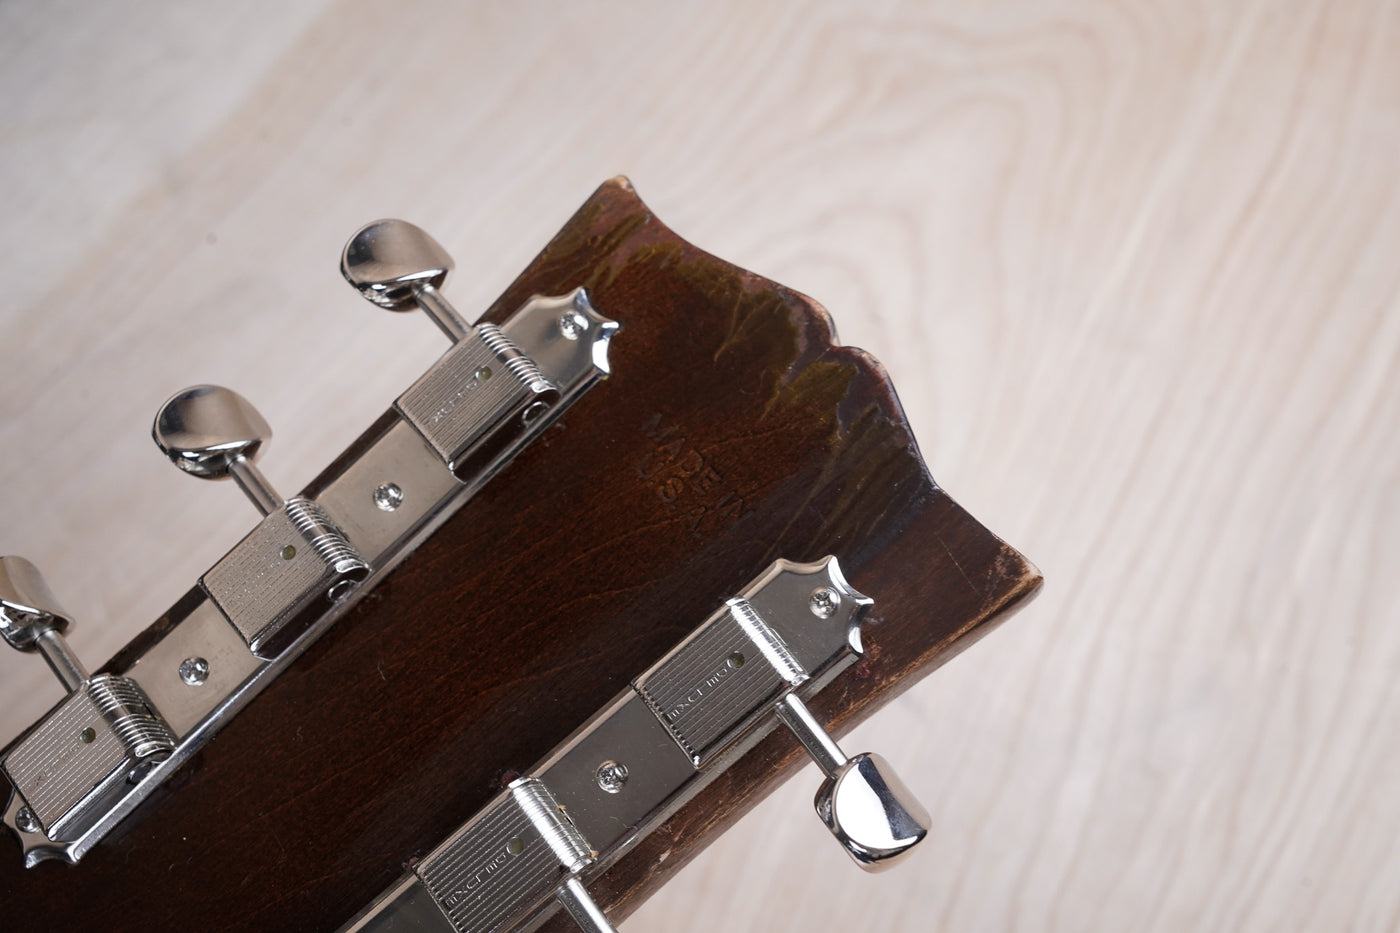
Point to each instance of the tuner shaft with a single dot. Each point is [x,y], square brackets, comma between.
[820,745]
[61,659]
[573,897]
[862,801]
[441,311]
[254,485]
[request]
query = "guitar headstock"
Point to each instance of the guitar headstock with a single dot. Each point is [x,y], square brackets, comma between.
[730,432]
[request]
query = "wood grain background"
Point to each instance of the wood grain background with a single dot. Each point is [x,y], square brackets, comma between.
[1133,268]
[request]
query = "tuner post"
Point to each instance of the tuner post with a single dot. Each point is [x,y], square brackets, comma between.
[397,265]
[215,433]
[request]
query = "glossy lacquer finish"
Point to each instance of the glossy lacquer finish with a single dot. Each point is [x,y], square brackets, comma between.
[730,433]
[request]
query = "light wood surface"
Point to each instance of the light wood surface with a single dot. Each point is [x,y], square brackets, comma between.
[1132,267]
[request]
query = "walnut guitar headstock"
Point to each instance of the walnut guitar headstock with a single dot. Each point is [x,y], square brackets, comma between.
[730,432]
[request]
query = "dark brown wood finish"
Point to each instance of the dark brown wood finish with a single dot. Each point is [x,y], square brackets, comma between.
[731,432]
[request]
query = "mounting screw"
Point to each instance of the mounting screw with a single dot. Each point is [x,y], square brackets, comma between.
[571,324]
[823,602]
[611,776]
[26,821]
[194,671]
[388,497]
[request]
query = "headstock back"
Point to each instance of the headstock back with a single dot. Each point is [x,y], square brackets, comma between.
[732,431]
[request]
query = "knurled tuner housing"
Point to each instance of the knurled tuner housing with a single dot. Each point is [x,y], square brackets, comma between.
[104,736]
[280,578]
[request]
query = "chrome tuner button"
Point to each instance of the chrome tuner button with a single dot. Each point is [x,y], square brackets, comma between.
[862,801]
[32,620]
[213,433]
[398,266]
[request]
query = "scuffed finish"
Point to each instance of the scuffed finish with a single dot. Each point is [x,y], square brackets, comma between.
[730,433]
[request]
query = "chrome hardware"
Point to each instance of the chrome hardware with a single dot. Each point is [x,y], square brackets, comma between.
[398,266]
[508,860]
[296,573]
[684,721]
[194,671]
[573,897]
[863,802]
[612,776]
[296,560]
[706,685]
[102,737]
[31,619]
[215,433]
[485,393]
[284,575]
[824,602]
[26,821]
[479,398]
[388,496]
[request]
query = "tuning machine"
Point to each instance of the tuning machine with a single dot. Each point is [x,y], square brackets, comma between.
[104,736]
[644,755]
[486,394]
[279,579]
[93,758]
